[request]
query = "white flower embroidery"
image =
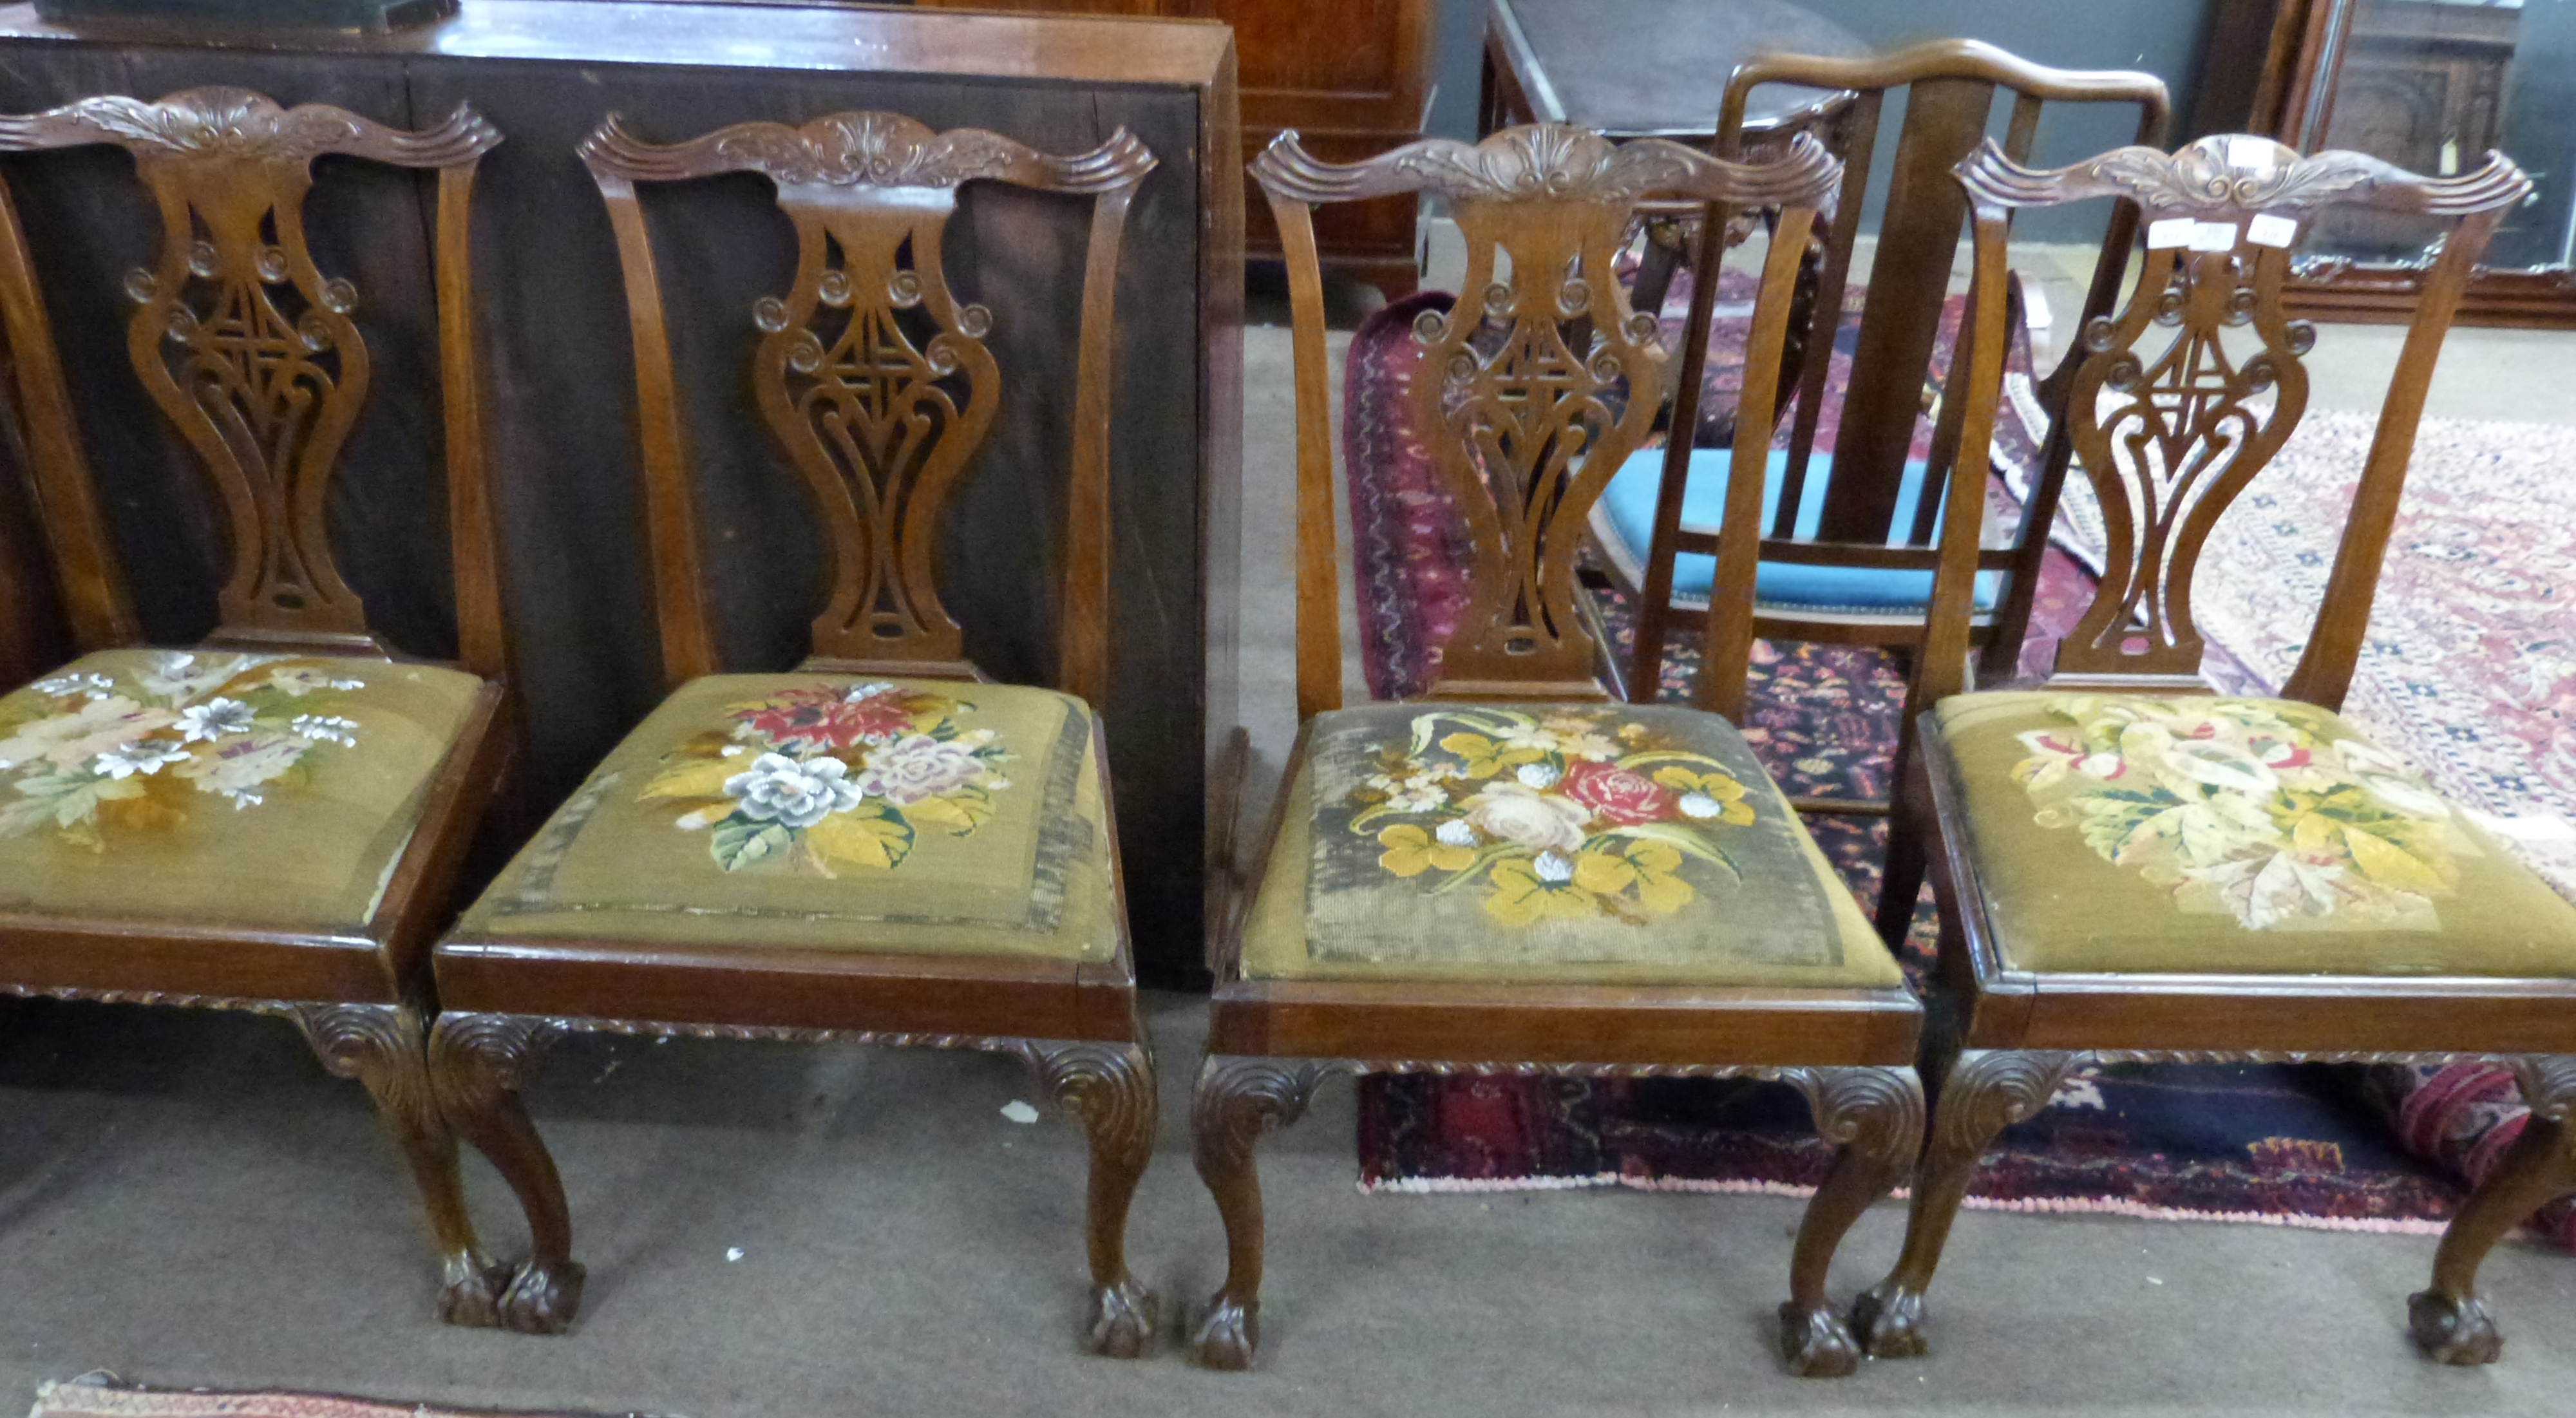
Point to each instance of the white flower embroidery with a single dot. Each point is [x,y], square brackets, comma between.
[1456,833]
[780,789]
[1511,813]
[918,766]
[325,728]
[870,690]
[64,686]
[70,740]
[207,722]
[1553,867]
[1700,805]
[1537,776]
[144,758]
[239,764]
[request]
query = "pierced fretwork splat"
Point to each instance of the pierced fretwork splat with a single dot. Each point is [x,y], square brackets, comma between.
[2169,438]
[240,340]
[1549,381]
[875,379]
[1548,378]
[2170,427]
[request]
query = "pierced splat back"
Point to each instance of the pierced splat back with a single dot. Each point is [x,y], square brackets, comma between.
[2188,392]
[874,377]
[1548,380]
[253,353]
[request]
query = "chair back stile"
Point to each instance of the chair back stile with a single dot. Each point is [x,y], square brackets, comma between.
[254,355]
[1543,381]
[874,377]
[2172,417]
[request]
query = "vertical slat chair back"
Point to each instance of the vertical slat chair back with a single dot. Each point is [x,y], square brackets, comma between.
[1951,89]
[2188,392]
[1543,380]
[255,355]
[875,378]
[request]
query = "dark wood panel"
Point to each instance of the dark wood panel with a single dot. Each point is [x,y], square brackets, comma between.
[561,384]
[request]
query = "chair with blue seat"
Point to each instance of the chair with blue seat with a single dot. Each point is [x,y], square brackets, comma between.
[1848,536]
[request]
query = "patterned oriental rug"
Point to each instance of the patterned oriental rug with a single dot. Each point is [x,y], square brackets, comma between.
[2336,1148]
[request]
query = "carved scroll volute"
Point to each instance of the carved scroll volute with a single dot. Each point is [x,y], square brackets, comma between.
[240,340]
[878,417]
[1546,382]
[2170,434]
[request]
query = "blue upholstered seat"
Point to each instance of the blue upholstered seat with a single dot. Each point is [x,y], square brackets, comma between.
[1625,521]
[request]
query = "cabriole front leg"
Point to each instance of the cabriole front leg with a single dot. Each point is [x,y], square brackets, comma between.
[1111,1088]
[2449,1321]
[385,1048]
[1237,1101]
[477,1064]
[1985,1092]
[1875,1118]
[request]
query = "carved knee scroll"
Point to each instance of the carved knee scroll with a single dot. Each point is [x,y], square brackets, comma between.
[1985,1092]
[478,1063]
[1111,1088]
[385,1048]
[2449,1321]
[1874,1116]
[1238,1100]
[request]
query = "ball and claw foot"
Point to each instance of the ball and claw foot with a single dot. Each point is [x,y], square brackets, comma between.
[470,1292]
[1815,1343]
[1888,1318]
[2452,1330]
[542,1300]
[1122,1320]
[1228,1336]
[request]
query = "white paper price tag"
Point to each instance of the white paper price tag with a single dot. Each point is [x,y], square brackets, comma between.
[2269,230]
[2247,151]
[2172,231]
[2213,236]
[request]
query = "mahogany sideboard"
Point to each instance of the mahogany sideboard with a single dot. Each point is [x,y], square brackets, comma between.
[560,401]
[1353,77]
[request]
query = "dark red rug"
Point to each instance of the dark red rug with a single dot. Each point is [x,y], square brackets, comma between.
[2343,1148]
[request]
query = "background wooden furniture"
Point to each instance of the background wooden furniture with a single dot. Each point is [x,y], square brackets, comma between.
[2430,86]
[258,371]
[1641,69]
[1951,90]
[555,332]
[877,383]
[1353,77]
[1554,202]
[2203,367]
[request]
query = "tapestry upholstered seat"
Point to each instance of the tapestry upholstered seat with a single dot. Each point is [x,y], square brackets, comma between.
[2129,833]
[258,790]
[1564,843]
[832,812]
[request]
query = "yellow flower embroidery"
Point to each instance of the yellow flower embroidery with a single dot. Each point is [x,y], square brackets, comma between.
[1568,817]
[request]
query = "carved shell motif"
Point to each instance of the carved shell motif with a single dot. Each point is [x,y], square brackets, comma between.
[1546,159]
[221,122]
[2234,174]
[865,150]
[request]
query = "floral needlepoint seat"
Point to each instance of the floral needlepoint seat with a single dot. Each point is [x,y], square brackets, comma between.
[1567,843]
[249,789]
[2129,833]
[832,812]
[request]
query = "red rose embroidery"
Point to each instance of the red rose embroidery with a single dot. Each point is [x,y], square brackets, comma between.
[1622,796]
[822,718]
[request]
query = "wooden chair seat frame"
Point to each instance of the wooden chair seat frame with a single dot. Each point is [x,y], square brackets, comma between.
[1555,200]
[2002,1038]
[870,187]
[229,170]
[1951,88]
